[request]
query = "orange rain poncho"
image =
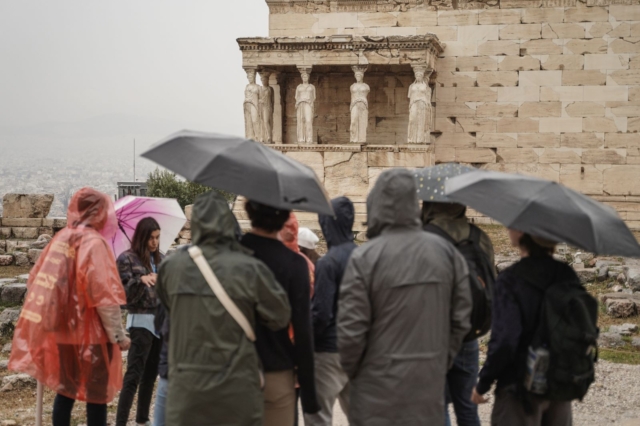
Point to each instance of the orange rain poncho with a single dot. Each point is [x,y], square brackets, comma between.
[59,338]
[289,237]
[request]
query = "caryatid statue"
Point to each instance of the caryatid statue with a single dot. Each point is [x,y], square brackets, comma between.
[252,121]
[359,106]
[266,108]
[305,111]
[419,108]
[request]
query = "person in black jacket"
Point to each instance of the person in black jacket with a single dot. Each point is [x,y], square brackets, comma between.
[331,381]
[283,358]
[516,313]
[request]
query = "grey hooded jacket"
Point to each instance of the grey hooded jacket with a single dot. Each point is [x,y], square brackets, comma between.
[404,309]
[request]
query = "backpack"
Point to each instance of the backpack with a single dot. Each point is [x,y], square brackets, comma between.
[481,278]
[567,328]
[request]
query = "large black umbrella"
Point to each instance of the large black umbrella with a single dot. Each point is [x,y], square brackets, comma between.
[546,209]
[242,167]
[431,180]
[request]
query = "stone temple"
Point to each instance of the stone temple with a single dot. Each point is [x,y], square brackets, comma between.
[549,88]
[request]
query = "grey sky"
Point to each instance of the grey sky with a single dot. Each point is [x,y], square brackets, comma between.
[176,60]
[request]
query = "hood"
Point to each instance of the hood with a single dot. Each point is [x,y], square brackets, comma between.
[289,233]
[450,211]
[92,208]
[393,203]
[212,222]
[339,229]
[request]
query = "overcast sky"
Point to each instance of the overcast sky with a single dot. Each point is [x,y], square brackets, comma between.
[175,60]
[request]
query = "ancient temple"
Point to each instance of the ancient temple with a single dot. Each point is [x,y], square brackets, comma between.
[542,87]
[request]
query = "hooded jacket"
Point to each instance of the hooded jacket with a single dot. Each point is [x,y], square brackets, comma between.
[213,367]
[403,312]
[289,237]
[329,272]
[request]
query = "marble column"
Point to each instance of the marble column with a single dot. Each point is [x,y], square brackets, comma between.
[266,107]
[275,81]
[420,107]
[252,120]
[359,106]
[305,108]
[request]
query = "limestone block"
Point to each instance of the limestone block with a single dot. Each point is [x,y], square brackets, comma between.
[518,94]
[560,93]
[562,30]
[606,93]
[625,77]
[474,124]
[620,29]
[445,125]
[496,109]
[624,13]
[454,109]
[622,180]
[461,48]
[584,109]
[6,260]
[634,29]
[606,62]
[586,14]
[378,19]
[540,109]
[499,16]
[582,47]
[559,156]
[520,31]
[517,155]
[445,94]
[586,179]
[445,64]
[26,205]
[596,29]
[445,154]
[621,140]
[543,171]
[500,167]
[539,15]
[541,78]
[633,124]
[13,293]
[453,17]
[518,63]
[561,125]
[478,32]
[581,140]
[458,140]
[602,156]
[25,233]
[456,79]
[12,246]
[396,31]
[5,233]
[21,222]
[634,93]
[476,63]
[496,140]
[45,230]
[561,62]
[59,222]
[397,159]
[497,47]
[538,140]
[314,160]
[632,109]
[599,125]
[629,45]
[346,174]
[34,255]
[475,155]
[541,47]
[476,94]
[444,33]
[293,21]
[517,125]
[583,78]
[497,78]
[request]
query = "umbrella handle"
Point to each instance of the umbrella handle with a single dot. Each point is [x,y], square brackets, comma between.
[39,403]
[123,231]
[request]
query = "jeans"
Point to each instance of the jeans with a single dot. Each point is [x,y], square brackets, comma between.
[62,407]
[161,402]
[142,370]
[461,380]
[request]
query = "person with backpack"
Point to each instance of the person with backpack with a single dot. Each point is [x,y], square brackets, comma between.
[449,221]
[543,339]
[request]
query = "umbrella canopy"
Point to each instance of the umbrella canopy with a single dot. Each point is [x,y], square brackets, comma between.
[431,180]
[545,209]
[243,167]
[131,210]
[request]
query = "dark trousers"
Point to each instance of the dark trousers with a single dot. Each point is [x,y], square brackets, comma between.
[461,380]
[62,407]
[142,370]
[509,410]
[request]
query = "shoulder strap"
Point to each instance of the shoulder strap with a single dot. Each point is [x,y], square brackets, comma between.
[435,229]
[221,294]
[474,234]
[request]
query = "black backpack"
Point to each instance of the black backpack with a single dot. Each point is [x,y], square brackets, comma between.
[567,327]
[481,278]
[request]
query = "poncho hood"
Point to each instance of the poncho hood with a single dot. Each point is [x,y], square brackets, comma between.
[339,229]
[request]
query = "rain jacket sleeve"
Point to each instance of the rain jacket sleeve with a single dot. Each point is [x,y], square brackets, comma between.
[273,306]
[326,286]
[461,306]
[103,284]
[354,318]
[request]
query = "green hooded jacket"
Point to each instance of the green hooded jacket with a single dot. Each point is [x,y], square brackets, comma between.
[213,367]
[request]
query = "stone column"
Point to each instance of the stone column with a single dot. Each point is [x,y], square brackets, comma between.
[305,107]
[359,106]
[277,106]
[420,107]
[266,107]
[252,121]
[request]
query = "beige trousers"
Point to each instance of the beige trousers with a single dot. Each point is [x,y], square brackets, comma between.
[331,383]
[279,398]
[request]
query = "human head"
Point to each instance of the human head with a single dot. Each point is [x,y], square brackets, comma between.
[305,77]
[359,76]
[289,233]
[251,76]
[338,229]
[419,76]
[266,218]
[530,245]
[92,208]
[393,203]
[146,241]
[307,239]
[431,211]
[264,77]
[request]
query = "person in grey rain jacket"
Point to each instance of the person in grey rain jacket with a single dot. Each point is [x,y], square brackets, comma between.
[403,312]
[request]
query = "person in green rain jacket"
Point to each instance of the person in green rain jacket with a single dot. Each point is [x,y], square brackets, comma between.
[214,375]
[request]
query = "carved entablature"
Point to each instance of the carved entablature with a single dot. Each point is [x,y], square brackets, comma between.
[326,6]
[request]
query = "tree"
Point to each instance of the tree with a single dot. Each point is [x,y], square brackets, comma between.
[164,184]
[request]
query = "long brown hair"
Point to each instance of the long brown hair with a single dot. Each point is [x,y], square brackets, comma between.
[140,242]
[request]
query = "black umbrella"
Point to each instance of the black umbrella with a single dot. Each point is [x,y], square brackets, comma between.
[242,167]
[545,209]
[430,180]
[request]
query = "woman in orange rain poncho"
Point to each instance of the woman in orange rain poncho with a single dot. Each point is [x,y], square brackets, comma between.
[70,333]
[289,237]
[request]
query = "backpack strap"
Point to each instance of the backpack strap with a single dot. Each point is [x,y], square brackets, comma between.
[435,229]
[475,234]
[220,293]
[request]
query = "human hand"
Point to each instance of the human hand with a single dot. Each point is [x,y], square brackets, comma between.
[149,280]
[125,344]
[478,399]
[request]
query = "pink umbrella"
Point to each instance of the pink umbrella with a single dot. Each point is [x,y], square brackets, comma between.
[131,210]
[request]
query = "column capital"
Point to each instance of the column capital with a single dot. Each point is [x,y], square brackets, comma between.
[305,69]
[360,68]
[424,69]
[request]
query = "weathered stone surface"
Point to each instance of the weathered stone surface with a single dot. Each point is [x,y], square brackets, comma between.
[582,47]
[17,381]
[559,156]
[543,171]
[620,308]
[21,258]
[540,109]
[41,242]
[625,329]
[397,159]
[587,275]
[606,62]
[476,94]
[5,233]
[538,140]
[626,77]
[476,63]
[495,109]
[22,222]
[610,340]
[497,78]
[559,93]
[620,140]
[517,125]
[606,93]
[34,254]
[474,124]
[8,320]
[585,109]
[586,14]
[518,94]
[22,278]
[583,78]
[475,155]
[541,47]
[602,156]
[622,180]
[520,32]
[499,16]
[496,140]
[498,47]
[26,205]
[562,62]
[518,63]
[25,233]
[539,15]
[633,278]
[561,125]
[6,260]
[553,30]
[629,45]
[346,174]
[603,273]
[517,155]
[584,178]
[624,13]
[13,293]
[315,160]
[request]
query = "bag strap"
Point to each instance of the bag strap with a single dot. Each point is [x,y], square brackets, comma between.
[435,229]
[219,291]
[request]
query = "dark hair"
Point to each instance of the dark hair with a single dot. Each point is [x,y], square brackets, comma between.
[140,241]
[534,249]
[265,217]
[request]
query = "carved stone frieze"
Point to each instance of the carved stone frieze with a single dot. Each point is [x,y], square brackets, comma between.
[326,6]
[316,148]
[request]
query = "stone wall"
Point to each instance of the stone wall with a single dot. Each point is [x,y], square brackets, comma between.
[549,88]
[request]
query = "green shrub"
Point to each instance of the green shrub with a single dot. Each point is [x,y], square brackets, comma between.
[165,184]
